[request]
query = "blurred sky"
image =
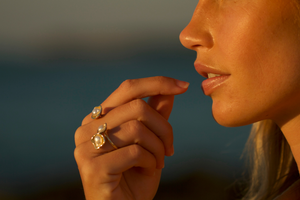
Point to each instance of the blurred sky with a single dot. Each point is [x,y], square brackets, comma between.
[91,29]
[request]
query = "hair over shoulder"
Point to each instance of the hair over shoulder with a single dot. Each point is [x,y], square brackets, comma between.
[272,168]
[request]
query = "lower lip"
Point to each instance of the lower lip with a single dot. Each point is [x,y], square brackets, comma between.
[211,84]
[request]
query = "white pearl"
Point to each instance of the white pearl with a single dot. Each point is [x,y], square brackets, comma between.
[95,111]
[97,139]
[101,128]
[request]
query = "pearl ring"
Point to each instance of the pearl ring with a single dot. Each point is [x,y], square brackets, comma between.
[96,112]
[98,140]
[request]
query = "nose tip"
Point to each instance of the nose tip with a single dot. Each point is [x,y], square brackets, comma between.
[197,33]
[186,39]
[183,39]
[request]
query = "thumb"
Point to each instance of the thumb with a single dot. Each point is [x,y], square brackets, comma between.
[163,104]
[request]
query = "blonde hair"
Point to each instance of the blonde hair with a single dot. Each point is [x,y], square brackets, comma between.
[271,163]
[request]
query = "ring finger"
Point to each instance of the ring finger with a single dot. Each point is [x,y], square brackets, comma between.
[131,132]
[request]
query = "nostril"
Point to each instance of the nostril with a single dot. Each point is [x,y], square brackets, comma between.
[186,39]
[196,46]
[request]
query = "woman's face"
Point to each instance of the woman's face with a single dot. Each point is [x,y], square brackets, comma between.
[255,46]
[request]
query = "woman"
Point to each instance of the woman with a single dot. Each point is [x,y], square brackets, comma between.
[249,52]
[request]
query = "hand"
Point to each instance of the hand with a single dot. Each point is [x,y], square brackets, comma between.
[139,130]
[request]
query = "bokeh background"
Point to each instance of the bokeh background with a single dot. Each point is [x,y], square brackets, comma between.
[60,58]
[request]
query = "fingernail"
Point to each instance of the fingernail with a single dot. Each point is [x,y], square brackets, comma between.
[182,84]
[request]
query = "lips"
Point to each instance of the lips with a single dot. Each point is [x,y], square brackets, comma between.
[215,78]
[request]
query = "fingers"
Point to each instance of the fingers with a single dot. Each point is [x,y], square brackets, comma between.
[135,110]
[128,157]
[132,132]
[113,163]
[141,88]
[144,87]
[103,176]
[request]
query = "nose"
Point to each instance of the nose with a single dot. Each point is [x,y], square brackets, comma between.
[197,33]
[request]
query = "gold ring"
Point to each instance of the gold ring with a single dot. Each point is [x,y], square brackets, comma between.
[112,144]
[98,140]
[96,112]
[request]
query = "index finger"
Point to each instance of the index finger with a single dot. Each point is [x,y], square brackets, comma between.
[140,88]
[144,87]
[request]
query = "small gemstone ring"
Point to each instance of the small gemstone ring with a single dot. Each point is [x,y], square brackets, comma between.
[96,112]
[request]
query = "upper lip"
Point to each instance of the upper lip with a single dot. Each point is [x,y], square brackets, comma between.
[203,70]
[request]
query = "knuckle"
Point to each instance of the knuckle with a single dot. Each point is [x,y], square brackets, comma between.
[135,151]
[78,134]
[134,127]
[139,106]
[87,171]
[79,156]
[89,168]
[91,172]
[160,79]
[86,120]
[160,82]
[127,84]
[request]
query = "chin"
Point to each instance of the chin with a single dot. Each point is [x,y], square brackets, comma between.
[228,122]
[230,118]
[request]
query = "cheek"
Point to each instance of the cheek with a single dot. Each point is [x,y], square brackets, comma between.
[265,70]
[249,99]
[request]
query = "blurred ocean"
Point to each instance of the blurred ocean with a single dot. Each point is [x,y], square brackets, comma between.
[43,103]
